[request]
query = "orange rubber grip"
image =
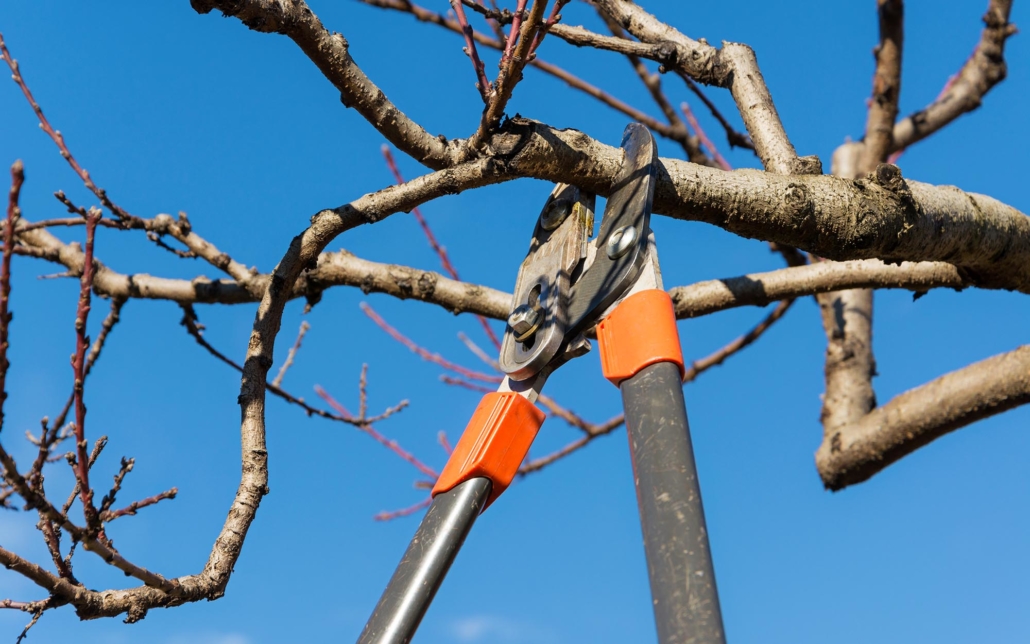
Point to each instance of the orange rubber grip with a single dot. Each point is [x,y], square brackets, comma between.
[494,444]
[640,332]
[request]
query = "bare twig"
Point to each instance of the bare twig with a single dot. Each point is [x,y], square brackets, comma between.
[440,251]
[194,328]
[13,212]
[111,515]
[55,135]
[981,72]
[720,161]
[482,83]
[79,370]
[511,69]
[423,353]
[366,426]
[278,380]
[403,512]
[697,367]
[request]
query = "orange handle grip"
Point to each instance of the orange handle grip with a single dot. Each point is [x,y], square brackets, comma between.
[640,332]
[494,444]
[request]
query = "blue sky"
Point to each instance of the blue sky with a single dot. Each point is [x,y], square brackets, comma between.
[174,111]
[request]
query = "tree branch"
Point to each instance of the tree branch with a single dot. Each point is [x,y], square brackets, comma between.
[854,453]
[984,69]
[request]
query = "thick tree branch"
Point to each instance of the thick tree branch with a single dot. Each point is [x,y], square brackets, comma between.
[848,315]
[984,69]
[734,67]
[921,415]
[653,83]
[761,289]
[880,216]
[573,81]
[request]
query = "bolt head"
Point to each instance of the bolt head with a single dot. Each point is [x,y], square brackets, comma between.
[621,241]
[523,318]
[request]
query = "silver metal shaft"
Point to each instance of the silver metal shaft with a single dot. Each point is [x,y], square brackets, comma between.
[425,563]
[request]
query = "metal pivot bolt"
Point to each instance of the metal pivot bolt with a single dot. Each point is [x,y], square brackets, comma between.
[621,241]
[524,321]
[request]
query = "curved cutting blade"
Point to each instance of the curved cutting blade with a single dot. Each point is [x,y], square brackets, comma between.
[627,213]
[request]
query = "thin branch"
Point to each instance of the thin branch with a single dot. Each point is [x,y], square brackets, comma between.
[513,62]
[13,212]
[981,72]
[111,515]
[58,140]
[697,367]
[79,370]
[366,426]
[720,161]
[278,380]
[440,251]
[423,353]
[482,83]
[403,512]
[194,329]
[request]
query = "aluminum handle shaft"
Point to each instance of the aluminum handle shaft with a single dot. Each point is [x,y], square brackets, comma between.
[425,563]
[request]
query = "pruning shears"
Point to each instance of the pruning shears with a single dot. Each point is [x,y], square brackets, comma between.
[566,287]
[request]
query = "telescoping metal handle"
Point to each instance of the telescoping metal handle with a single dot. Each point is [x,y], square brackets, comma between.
[640,353]
[482,465]
[425,563]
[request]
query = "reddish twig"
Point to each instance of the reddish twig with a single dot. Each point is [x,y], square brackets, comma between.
[58,139]
[513,33]
[705,141]
[425,354]
[440,251]
[595,432]
[403,512]
[131,509]
[366,427]
[441,437]
[13,212]
[482,83]
[425,15]
[79,366]
[461,382]
[49,438]
[733,137]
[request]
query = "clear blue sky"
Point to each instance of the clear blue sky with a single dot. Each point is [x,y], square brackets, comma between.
[174,111]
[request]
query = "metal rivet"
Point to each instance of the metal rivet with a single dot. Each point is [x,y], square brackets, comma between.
[555,213]
[621,242]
